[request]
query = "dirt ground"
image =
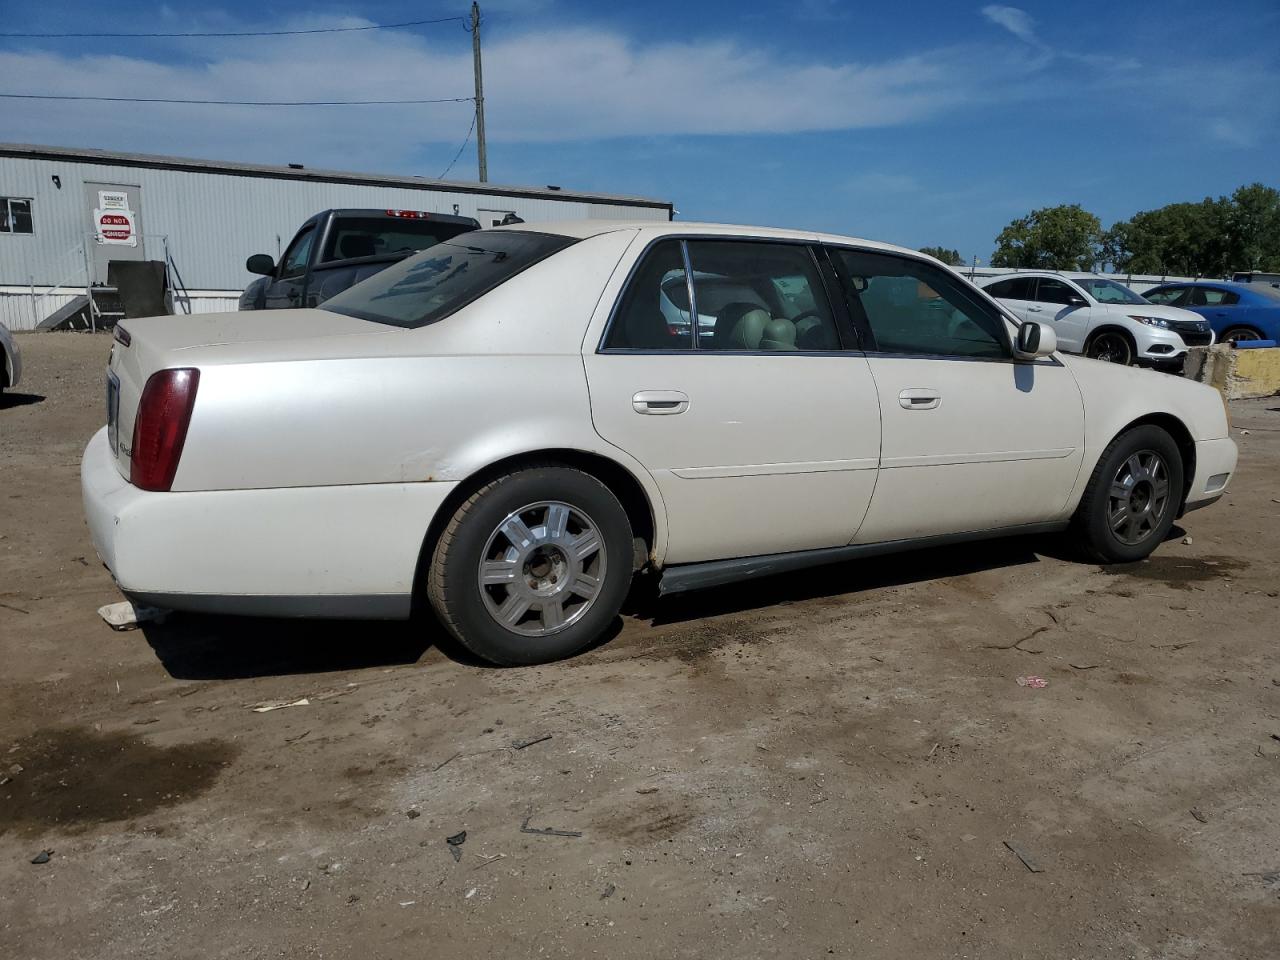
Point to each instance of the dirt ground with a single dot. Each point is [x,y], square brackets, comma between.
[822,764]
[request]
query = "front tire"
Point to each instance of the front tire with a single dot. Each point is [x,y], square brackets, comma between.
[1111,346]
[533,566]
[1132,497]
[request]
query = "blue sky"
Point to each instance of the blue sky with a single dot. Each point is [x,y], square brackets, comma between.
[917,122]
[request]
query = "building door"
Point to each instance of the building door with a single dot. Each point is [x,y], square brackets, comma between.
[114,225]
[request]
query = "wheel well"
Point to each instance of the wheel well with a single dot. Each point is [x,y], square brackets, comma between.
[1133,344]
[1246,326]
[1182,438]
[613,475]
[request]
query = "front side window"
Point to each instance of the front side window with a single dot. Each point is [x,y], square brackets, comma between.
[1212,297]
[779,302]
[913,307]
[1055,291]
[435,283]
[295,259]
[15,215]
[1169,296]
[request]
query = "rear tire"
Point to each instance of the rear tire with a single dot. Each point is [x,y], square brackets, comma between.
[1132,497]
[1234,334]
[533,566]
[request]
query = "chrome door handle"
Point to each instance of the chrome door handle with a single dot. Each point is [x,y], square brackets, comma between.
[660,402]
[919,399]
[1035,309]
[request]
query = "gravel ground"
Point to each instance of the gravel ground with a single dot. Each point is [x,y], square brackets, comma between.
[834,763]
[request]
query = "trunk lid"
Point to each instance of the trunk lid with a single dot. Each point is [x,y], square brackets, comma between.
[148,344]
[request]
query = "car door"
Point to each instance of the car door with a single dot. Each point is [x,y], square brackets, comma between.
[1016,293]
[1066,309]
[764,436]
[1220,307]
[287,286]
[973,439]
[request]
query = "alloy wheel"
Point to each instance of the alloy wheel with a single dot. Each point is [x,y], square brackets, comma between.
[542,568]
[1111,347]
[1139,497]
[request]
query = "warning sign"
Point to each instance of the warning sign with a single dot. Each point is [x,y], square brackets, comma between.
[115,226]
[112,200]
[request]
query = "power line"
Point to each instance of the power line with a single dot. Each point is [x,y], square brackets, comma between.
[470,130]
[246,33]
[232,103]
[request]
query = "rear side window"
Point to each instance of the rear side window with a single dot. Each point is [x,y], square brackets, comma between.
[653,313]
[445,278]
[1015,288]
[913,307]
[352,237]
[1211,297]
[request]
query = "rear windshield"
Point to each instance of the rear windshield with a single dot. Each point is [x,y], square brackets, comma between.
[442,280]
[352,237]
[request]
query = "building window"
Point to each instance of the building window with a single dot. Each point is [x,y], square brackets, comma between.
[15,215]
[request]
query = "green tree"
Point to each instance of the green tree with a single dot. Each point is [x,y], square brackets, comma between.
[1065,237]
[1190,239]
[951,258]
[1253,228]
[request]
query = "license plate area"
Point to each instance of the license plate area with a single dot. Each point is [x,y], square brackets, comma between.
[113,413]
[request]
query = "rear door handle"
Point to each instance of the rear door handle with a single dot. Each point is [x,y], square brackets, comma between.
[1035,309]
[660,402]
[919,398]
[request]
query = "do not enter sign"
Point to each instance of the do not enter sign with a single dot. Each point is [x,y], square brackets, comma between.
[115,226]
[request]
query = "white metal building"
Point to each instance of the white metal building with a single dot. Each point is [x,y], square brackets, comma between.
[65,212]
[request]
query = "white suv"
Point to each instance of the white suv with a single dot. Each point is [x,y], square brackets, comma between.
[1102,319]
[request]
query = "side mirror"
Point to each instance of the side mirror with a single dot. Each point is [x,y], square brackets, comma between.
[260,263]
[1075,301]
[1036,340]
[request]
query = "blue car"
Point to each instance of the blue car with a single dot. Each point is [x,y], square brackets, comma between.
[1236,311]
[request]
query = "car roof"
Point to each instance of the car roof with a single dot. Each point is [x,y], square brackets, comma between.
[582,229]
[1225,284]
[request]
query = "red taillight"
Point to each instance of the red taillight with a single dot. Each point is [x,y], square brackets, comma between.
[160,428]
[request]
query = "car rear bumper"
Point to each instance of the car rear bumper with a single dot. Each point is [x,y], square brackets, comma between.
[339,551]
[1215,464]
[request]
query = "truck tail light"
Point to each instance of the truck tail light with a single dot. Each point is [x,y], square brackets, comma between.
[160,429]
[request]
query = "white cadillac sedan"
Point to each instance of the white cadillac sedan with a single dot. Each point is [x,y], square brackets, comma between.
[510,426]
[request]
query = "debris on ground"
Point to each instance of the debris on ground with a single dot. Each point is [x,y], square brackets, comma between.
[1082,665]
[546,831]
[488,860]
[1195,812]
[455,842]
[1269,877]
[1027,860]
[1187,541]
[521,744]
[471,893]
[443,763]
[297,738]
[281,704]
[413,814]
[609,891]
[42,857]
[1035,682]
[645,790]
[126,615]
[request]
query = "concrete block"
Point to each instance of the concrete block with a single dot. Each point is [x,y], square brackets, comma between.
[1238,374]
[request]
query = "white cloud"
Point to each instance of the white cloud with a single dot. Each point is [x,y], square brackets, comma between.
[551,86]
[1015,20]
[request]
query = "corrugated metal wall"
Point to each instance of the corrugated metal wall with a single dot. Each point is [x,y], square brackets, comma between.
[214,221]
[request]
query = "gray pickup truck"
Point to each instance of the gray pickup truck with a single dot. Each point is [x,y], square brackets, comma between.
[336,249]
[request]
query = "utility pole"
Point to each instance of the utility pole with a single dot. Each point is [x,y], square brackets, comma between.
[481,153]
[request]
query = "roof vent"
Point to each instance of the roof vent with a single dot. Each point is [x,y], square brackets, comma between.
[295,166]
[552,186]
